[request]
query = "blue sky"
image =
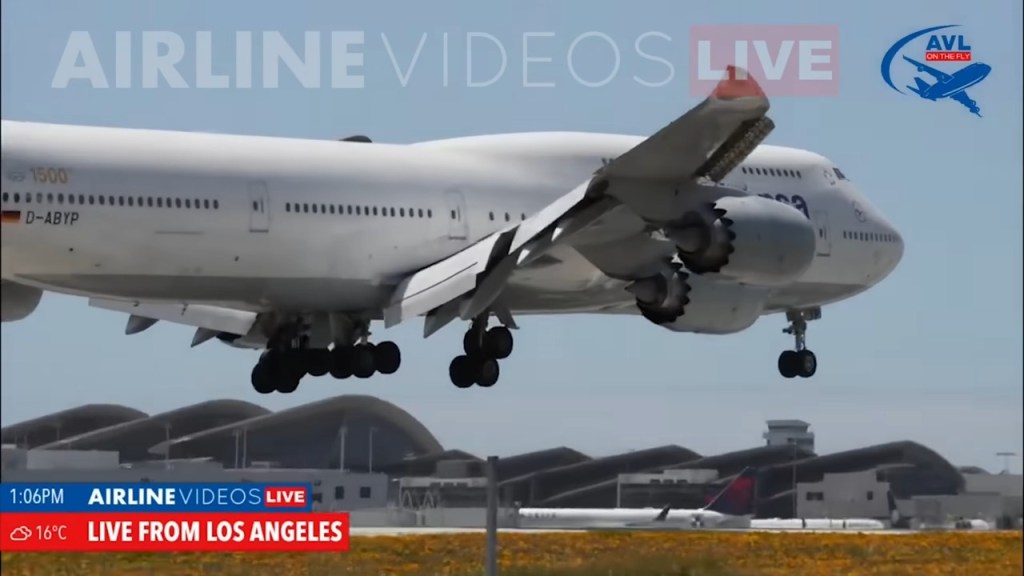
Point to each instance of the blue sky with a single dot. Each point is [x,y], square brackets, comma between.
[933,354]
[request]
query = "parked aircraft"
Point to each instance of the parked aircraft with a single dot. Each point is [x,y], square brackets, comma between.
[730,508]
[295,247]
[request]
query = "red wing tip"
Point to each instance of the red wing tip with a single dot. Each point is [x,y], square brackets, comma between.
[737,83]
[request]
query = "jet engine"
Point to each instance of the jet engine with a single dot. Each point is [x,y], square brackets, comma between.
[711,307]
[746,239]
[17,301]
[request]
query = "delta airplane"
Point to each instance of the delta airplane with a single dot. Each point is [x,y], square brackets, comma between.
[296,247]
[730,508]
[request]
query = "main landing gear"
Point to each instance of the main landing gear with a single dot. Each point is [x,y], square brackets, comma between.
[483,348]
[801,361]
[281,369]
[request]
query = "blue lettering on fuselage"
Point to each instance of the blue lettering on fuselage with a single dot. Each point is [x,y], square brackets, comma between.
[796,201]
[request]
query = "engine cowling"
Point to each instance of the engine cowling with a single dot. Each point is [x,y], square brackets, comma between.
[712,307]
[746,239]
[17,301]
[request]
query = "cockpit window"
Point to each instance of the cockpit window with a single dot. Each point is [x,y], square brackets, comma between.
[839,174]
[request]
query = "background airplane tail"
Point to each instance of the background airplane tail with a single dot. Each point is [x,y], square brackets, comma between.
[921,86]
[737,498]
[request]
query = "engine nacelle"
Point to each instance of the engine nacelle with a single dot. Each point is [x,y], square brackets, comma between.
[17,301]
[718,307]
[746,239]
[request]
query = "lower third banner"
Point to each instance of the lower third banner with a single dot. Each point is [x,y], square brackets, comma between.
[174,532]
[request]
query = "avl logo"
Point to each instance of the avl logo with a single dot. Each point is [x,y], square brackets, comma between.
[946,54]
[787,60]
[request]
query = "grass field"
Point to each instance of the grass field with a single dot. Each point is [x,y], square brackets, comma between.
[580,554]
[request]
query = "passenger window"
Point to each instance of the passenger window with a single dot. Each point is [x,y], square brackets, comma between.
[507,218]
[102,200]
[401,212]
[392,211]
[206,204]
[314,209]
[339,493]
[430,213]
[17,197]
[332,208]
[364,491]
[149,202]
[216,204]
[188,203]
[374,210]
[131,201]
[491,214]
[6,196]
[419,212]
[71,198]
[453,214]
[60,198]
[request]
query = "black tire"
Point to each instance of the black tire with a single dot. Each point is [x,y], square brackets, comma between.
[498,342]
[318,361]
[461,371]
[806,363]
[487,372]
[387,357]
[362,361]
[788,364]
[471,343]
[341,362]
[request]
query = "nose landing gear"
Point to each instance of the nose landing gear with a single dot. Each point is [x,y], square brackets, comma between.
[801,361]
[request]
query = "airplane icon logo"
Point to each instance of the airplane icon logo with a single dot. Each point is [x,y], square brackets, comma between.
[941,48]
[953,86]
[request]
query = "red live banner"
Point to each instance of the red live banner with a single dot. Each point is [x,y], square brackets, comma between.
[174,532]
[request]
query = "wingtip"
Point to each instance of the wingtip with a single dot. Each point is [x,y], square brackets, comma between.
[737,83]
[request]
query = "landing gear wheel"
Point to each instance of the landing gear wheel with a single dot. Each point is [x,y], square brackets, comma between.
[362,361]
[341,362]
[461,371]
[471,344]
[486,372]
[262,379]
[498,342]
[387,357]
[806,363]
[788,364]
[318,361]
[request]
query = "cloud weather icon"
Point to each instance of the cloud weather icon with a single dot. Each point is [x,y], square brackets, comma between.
[20,534]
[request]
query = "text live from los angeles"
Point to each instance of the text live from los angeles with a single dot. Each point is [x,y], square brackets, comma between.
[75,517]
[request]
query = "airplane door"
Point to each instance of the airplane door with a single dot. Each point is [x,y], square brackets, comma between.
[259,207]
[824,239]
[458,226]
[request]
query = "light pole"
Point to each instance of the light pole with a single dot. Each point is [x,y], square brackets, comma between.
[370,465]
[342,435]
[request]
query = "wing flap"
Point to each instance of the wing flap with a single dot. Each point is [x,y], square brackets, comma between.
[706,142]
[214,318]
[685,149]
[444,281]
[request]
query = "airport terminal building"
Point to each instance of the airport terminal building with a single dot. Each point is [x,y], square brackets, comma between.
[363,452]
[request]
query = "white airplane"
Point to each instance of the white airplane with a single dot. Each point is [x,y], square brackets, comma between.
[296,247]
[730,508]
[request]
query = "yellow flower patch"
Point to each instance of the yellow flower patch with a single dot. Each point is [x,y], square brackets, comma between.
[580,554]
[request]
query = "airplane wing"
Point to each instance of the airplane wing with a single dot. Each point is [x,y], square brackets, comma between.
[921,67]
[966,100]
[209,321]
[704,144]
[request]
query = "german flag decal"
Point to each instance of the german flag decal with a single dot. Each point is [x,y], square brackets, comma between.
[11,216]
